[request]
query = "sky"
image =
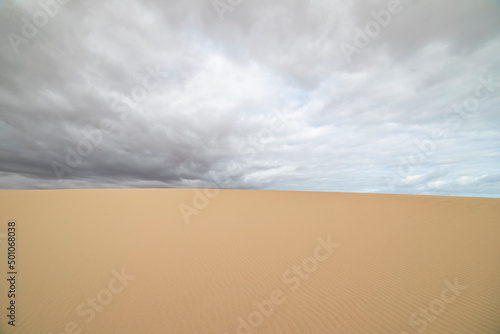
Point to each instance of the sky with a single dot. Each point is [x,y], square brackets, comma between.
[321,95]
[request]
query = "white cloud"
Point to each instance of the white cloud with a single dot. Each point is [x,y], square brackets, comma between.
[344,126]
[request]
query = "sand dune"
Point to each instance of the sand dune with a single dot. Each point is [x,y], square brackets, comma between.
[154,261]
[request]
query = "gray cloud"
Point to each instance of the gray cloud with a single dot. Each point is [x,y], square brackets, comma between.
[263,99]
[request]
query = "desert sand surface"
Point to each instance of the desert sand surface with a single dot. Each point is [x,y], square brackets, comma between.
[244,261]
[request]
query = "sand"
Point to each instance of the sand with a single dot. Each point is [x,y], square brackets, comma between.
[127,261]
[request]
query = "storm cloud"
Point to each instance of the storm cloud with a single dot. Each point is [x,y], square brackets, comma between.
[320,95]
